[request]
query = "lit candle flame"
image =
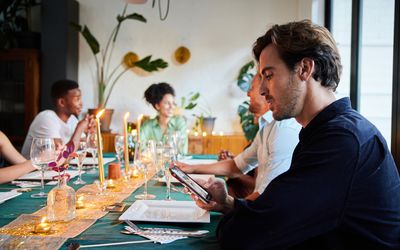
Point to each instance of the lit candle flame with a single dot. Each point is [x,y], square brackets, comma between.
[204,134]
[100,113]
[44,219]
[221,133]
[126,116]
[196,133]
[213,132]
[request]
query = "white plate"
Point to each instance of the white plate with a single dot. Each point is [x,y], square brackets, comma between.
[4,196]
[48,175]
[166,211]
[194,176]
[89,161]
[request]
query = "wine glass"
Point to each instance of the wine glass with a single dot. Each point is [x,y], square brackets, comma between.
[43,151]
[92,148]
[141,161]
[159,160]
[81,152]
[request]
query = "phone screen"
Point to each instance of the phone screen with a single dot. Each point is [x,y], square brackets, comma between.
[191,184]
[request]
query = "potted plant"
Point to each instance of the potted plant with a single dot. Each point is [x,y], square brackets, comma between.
[106,76]
[15,24]
[246,117]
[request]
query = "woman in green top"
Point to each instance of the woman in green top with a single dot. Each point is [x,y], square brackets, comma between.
[162,97]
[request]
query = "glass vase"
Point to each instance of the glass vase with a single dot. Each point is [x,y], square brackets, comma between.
[61,202]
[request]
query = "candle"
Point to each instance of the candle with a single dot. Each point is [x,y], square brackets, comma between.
[196,133]
[110,184]
[100,147]
[221,133]
[139,121]
[204,134]
[135,173]
[79,203]
[126,153]
[213,132]
[43,226]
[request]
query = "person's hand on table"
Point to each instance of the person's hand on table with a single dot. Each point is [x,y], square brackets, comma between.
[220,201]
[225,154]
[185,167]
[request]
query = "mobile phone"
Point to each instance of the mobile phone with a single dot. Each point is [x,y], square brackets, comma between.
[190,184]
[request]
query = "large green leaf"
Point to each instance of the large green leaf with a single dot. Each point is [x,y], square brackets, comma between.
[135,16]
[190,106]
[245,76]
[89,38]
[150,66]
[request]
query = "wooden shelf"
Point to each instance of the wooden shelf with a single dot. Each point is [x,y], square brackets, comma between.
[212,144]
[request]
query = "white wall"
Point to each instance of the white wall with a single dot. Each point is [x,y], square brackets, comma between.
[219,35]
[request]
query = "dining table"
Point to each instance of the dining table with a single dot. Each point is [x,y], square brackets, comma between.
[107,229]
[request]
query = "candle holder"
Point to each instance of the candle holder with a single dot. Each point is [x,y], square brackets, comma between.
[43,227]
[79,203]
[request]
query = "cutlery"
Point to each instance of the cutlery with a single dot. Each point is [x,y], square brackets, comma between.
[75,246]
[166,231]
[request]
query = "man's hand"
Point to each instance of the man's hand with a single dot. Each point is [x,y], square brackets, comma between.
[225,154]
[221,201]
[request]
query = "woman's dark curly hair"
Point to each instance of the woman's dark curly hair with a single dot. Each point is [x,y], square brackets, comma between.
[155,93]
[297,40]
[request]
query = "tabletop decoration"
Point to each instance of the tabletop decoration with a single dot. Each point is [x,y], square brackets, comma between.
[100,147]
[61,199]
[43,227]
[126,153]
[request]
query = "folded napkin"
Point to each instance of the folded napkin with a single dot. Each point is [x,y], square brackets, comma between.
[8,195]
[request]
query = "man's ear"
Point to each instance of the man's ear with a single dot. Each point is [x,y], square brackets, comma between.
[306,68]
[61,102]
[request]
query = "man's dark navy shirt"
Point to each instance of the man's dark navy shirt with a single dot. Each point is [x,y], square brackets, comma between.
[342,191]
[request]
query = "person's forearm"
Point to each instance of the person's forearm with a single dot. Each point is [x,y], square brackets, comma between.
[13,172]
[225,168]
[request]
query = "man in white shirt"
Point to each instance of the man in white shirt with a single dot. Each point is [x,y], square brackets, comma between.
[272,149]
[59,123]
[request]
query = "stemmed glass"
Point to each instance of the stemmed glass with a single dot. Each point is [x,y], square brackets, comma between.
[119,153]
[180,139]
[81,152]
[159,160]
[92,148]
[142,160]
[119,147]
[171,142]
[168,159]
[43,151]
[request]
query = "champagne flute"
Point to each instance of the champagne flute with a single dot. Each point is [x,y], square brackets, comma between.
[168,159]
[43,151]
[81,152]
[159,160]
[141,161]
